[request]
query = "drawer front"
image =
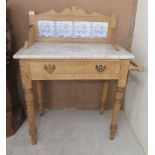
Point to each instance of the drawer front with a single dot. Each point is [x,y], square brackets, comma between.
[58,68]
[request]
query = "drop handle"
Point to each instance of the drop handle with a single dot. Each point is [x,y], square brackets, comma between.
[49,68]
[100,68]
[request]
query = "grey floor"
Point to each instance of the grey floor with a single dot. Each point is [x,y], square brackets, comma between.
[75,132]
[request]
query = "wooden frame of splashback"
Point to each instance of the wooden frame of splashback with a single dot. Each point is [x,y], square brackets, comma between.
[72,14]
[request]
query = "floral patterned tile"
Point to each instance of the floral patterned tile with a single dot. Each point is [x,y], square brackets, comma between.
[63,29]
[45,28]
[82,30]
[71,29]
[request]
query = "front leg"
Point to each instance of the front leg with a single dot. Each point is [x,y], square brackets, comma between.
[31,114]
[27,86]
[119,96]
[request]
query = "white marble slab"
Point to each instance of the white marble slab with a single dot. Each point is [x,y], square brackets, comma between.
[48,50]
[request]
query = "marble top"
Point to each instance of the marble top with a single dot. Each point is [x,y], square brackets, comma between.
[50,50]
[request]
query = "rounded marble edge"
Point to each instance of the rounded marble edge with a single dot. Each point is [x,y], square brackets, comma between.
[88,57]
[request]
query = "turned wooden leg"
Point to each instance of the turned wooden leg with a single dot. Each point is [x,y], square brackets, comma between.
[40,98]
[119,95]
[31,115]
[105,91]
[27,86]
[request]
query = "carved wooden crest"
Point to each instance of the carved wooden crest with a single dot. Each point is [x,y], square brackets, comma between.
[69,11]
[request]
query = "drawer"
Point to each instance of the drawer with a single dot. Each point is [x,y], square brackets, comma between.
[72,67]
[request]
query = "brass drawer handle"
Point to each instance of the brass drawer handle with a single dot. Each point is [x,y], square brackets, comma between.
[100,68]
[49,68]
